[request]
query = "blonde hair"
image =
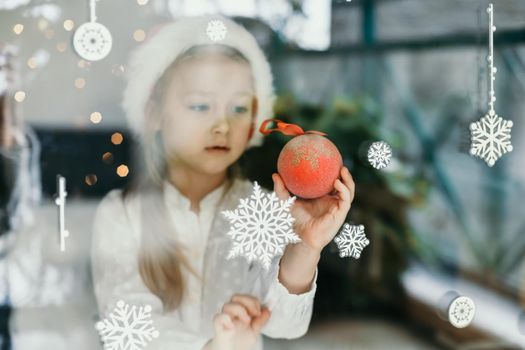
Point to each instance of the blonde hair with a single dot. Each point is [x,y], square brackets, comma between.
[161,259]
[151,59]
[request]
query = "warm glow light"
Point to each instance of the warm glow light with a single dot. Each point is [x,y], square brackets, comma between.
[18,28]
[142,2]
[95,117]
[20,96]
[69,25]
[32,63]
[91,179]
[80,83]
[107,157]
[139,35]
[117,138]
[61,46]
[122,170]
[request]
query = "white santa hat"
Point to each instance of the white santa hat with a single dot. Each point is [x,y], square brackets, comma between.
[149,61]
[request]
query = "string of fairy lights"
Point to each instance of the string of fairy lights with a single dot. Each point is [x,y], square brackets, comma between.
[40,58]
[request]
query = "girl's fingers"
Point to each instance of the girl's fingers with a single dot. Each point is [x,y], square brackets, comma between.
[251,303]
[344,194]
[279,188]
[236,310]
[259,322]
[348,181]
[223,321]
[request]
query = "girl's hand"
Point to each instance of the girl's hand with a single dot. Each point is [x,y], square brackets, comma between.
[317,221]
[239,324]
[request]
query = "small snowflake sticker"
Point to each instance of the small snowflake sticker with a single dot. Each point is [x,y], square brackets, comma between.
[379,154]
[127,328]
[461,312]
[261,226]
[351,241]
[216,30]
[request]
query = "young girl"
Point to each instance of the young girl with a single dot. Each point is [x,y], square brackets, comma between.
[195,104]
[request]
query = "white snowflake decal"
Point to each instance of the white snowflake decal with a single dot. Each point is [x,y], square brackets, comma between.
[216,30]
[490,138]
[127,328]
[379,154]
[461,312]
[261,226]
[351,241]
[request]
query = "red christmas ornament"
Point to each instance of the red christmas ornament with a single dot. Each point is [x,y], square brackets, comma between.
[309,163]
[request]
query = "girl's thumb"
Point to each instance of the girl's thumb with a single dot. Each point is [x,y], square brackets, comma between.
[279,188]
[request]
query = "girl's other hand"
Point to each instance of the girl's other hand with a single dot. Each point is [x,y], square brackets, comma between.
[239,324]
[317,221]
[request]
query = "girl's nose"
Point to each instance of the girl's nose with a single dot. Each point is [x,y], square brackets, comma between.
[221,125]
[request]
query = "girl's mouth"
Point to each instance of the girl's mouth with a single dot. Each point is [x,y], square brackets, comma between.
[218,149]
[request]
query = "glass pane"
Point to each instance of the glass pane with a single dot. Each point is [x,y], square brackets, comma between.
[410,19]
[118,180]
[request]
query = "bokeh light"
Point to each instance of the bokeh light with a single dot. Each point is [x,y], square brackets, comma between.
[80,83]
[117,138]
[95,117]
[139,35]
[18,28]
[122,170]
[20,96]
[91,179]
[69,25]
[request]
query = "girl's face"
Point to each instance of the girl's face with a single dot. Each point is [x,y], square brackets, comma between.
[208,111]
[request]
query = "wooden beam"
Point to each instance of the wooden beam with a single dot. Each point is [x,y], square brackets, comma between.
[502,38]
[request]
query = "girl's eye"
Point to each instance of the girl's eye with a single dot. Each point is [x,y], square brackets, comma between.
[199,107]
[240,109]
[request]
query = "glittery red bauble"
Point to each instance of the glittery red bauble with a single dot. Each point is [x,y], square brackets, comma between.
[309,164]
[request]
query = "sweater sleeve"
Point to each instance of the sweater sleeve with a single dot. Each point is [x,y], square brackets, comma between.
[291,313]
[116,276]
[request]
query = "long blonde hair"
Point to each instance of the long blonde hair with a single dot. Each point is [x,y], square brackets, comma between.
[161,259]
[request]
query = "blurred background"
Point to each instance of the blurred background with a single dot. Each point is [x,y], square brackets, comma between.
[412,73]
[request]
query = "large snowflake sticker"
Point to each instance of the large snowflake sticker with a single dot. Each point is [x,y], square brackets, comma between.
[128,327]
[261,226]
[351,241]
[490,136]
[379,154]
[216,30]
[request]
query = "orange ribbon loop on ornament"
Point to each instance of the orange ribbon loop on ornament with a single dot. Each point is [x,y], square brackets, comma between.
[286,129]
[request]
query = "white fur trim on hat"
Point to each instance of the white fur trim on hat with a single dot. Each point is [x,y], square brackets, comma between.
[149,61]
